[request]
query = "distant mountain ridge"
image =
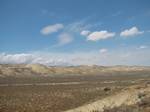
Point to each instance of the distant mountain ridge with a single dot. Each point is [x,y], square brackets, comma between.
[38,69]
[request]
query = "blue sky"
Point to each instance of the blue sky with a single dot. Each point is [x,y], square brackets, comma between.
[106,32]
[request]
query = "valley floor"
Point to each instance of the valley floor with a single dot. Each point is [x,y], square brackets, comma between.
[71,93]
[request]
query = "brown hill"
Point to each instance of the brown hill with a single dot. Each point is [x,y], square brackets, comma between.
[38,69]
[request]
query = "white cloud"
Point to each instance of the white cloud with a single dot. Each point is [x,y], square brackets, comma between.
[143,47]
[64,38]
[103,50]
[52,29]
[125,55]
[116,57]
[40,58]
[85,33]
[77,27]
[99,35]
[16,58]
[131,32]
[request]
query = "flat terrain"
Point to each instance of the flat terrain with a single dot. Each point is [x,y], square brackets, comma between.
[74,93]
[48,94]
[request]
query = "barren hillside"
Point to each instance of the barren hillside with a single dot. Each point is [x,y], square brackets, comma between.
[22,70]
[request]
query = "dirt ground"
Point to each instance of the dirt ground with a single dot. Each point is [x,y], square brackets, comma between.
[57,94]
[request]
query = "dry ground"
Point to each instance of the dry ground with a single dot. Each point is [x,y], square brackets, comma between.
[61,97]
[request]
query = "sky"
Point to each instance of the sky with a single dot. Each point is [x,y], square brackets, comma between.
[75,32]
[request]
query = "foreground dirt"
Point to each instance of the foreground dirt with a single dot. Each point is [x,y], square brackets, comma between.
[58,94]
[127,97]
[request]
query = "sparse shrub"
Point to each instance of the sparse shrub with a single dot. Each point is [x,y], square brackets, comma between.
[106,89]
[123,108]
